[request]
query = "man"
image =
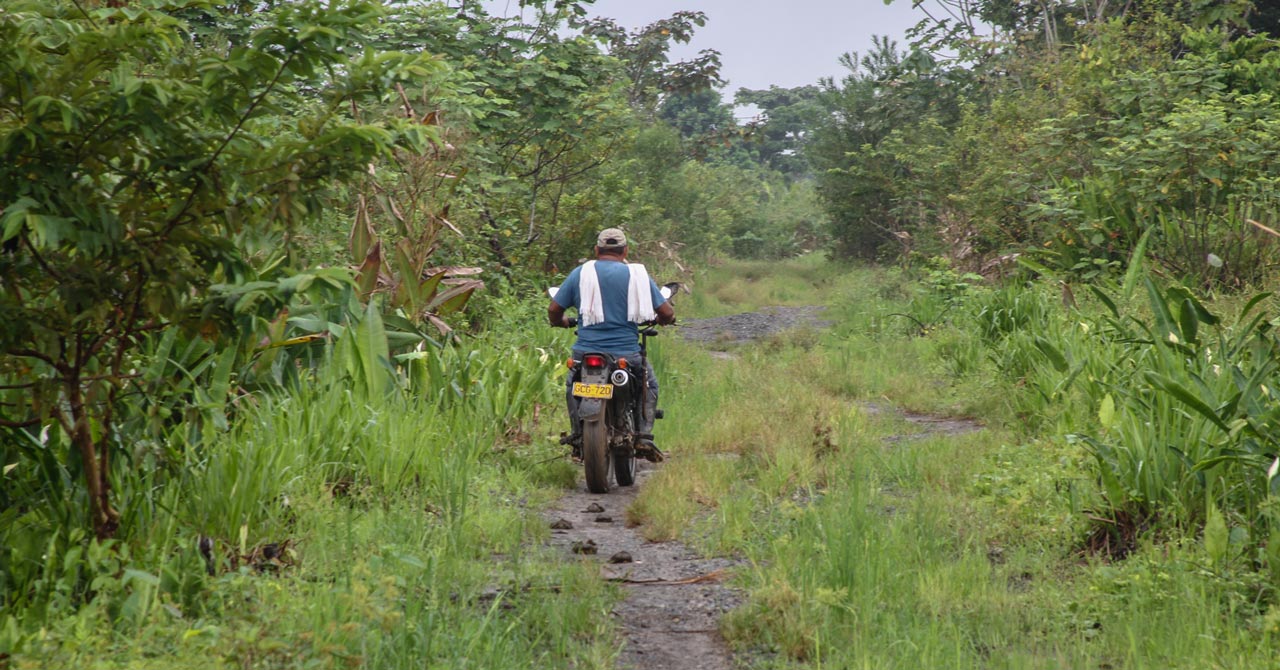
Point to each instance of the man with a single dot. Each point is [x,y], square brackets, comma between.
[612,297]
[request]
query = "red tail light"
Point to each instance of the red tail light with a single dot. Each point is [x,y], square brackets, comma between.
[593,361]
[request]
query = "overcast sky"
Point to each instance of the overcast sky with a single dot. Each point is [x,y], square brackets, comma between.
[762,42]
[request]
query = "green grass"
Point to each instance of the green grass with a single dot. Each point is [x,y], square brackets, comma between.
[409,536]
[867,547]
[395,530]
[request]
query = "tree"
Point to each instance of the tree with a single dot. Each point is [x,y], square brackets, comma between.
[856,180]
[705,124]
[534,108]
[649,75]
[789,116]
[698,114]
[138,168]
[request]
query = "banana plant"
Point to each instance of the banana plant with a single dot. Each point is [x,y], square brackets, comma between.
[392,258]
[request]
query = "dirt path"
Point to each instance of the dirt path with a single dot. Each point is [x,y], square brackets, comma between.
[929,424]
[674,599]
[749,326]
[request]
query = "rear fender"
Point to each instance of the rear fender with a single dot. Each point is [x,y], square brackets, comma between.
[591,409]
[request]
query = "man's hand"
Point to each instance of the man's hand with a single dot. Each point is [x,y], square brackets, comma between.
[666,315]
[556,316]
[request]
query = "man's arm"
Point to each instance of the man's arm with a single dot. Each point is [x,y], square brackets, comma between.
[666,315]
[555,315]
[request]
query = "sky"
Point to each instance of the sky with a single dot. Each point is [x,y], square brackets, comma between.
[786,43]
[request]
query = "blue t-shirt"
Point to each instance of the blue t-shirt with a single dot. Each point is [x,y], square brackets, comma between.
[614,335]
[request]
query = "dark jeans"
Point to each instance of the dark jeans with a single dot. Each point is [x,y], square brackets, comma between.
[651,401]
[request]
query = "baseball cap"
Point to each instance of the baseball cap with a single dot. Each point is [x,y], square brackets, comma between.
[611,237]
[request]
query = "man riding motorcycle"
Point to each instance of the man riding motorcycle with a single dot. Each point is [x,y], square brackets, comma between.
[612,297]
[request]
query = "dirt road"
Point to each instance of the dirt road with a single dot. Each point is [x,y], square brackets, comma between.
[674,598]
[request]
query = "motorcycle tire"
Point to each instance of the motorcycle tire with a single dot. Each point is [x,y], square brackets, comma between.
[624,469]
[624,466]
[595,455]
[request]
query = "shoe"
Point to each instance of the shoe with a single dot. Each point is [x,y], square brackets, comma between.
[575,441]
[646,449]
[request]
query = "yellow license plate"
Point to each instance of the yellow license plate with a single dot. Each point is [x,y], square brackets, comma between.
[592,390]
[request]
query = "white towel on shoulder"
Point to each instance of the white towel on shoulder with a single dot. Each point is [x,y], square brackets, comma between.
[591,302]
[639,296]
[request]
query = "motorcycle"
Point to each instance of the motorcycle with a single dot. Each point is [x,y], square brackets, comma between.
[611,393]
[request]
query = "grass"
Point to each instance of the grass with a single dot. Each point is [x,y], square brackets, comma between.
[402,530]
[346,530]
[868,544]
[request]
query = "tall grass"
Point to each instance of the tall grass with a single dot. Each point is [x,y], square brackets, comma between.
[354,520]
[867,543]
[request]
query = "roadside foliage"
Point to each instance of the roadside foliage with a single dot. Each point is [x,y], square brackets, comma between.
[276,388]
[270,269]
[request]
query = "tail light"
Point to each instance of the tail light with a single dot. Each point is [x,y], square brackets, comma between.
[593,361]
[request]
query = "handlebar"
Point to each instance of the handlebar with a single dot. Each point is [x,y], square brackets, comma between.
[646,325]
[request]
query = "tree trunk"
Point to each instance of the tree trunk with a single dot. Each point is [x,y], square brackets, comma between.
[104,518]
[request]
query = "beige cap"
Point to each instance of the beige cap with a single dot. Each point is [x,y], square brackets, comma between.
[611,237]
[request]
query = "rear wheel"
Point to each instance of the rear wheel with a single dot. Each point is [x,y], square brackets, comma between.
[595,455]
[624,461]
[624,468]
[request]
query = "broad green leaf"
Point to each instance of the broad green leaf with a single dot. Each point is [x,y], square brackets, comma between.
[1107,412]
[220,386]
[1165,325]
[160,359]
[1034,266]
[1190,301]
[131,574]
[298,283]
[1055,356]
[398,338]
[1189,323]
[1185,396]
[15,217]
[407,293]
[427,289]
[1216,536]
[1254,302]
[1106,300]
[1136,261]
[372,351]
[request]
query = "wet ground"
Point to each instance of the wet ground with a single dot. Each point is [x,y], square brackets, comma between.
[749,326]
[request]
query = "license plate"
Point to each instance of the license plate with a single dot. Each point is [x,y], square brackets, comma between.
[592,390]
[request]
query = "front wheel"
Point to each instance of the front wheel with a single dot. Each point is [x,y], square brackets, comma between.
[595,455]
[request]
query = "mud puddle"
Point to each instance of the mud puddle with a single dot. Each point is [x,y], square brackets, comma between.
[929,425]
[751,326]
